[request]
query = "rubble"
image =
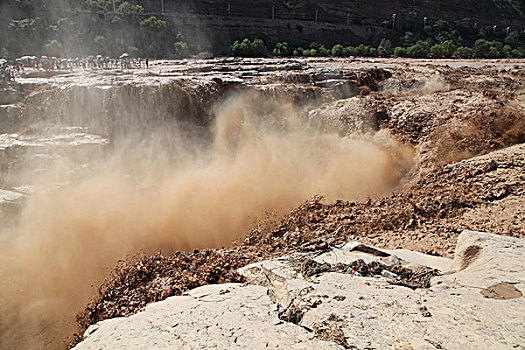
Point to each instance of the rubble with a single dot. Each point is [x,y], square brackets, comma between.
[423,218]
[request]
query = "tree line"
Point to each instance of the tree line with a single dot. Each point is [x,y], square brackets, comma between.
[461,39]
[76,28]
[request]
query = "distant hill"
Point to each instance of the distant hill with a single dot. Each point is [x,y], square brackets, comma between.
[153,27]
[408,12]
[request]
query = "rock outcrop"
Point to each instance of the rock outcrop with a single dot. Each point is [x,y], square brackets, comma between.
[309,300]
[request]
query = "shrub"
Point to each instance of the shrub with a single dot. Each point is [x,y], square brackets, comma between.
[181,49]
[338,50]
[385,48]
[400,51]
[247,48]
[362,50]
[349,51]
[445,49]
[421,49]
[323,51]
[464,52]
[482,48]
[281,50]
[288,4]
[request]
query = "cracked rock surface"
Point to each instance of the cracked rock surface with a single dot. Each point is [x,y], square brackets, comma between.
[476,301]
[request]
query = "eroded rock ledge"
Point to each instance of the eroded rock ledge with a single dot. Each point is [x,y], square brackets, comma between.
[475,300]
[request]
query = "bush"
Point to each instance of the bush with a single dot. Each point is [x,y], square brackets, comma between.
[181,49]
[323,51]
[408,39]
[362,50]
[247,48]
[154,25]
[494,52]
[385,48]
[513,39]
[445,49]
[400,51]
[288,4]
[281,50]
[349,51]
[101,43]
[338,50]
[128,9]
[482,48]
[310,53]
[464,52]
[515,53]
[420,50]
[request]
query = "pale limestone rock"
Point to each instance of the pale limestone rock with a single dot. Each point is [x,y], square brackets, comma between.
[227,316]
[480,306]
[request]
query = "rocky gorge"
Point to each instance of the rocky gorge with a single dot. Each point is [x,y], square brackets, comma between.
[201,166]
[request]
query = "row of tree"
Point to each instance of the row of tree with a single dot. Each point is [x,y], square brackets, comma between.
[74,28]
[421,49]
[462,39]
[81,28]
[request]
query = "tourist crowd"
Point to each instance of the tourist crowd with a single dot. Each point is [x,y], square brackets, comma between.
[7,70]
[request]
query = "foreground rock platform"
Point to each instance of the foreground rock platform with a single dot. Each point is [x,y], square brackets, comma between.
[477,301]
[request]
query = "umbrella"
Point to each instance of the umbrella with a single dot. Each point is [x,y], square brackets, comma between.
[2,61]
[43,57]
[125,54]
[99,56]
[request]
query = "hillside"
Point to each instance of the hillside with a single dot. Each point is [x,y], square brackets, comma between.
[152,27]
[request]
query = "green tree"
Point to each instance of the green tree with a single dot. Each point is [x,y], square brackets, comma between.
[154,41]
[247,48]
[494,52]
[421,49]
[127,9]
[400,51]
[98,5]
[441,26]
[153,25]
[338,50]
[181,49]
[362,50]
[498,45]
[464,52]
[444,49]
[513,39]
[281,50]
[408,39]
[349,51]
[482,48]
[323,51]
[385,48]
